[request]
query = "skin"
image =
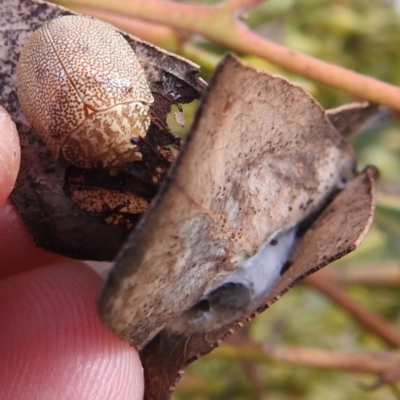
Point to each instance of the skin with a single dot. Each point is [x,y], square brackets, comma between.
[52,343]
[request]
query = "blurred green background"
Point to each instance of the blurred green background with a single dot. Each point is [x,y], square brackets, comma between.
[364,36]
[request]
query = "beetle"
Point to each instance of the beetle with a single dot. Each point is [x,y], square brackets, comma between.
[82,88]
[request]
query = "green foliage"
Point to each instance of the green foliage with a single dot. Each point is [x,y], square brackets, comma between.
[363,36]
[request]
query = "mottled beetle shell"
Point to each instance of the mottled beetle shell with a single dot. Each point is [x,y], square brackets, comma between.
[83,90]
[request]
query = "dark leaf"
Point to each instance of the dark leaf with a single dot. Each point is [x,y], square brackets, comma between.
[80,213]
[349,118]
[263,192]
[338,231]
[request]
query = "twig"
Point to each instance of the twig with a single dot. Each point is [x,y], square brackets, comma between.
[380,363]
[324,281]
[235,5]
[158,34]
[220,24]
[252,373]
[385,273]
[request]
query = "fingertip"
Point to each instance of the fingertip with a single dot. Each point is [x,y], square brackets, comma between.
[10,155]
[18,251]
[54,344]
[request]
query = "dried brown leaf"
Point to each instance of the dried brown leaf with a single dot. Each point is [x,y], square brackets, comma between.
[263,165]
[349,118]
[261,158]
[337,232]
[73,211]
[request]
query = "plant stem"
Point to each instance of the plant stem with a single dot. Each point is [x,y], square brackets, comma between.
[219,24]
[375,362]
[324,282]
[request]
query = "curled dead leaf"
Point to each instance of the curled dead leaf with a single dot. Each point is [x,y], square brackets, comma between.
[263,192]
[82,213]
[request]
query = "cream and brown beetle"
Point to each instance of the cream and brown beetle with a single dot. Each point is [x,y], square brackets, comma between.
[83,90]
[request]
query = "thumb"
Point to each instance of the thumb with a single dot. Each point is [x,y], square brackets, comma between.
[10,155]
